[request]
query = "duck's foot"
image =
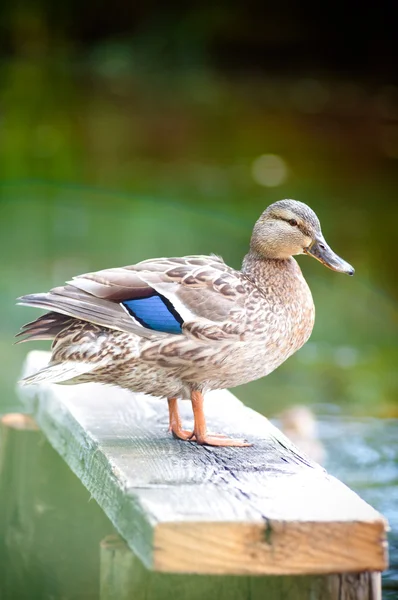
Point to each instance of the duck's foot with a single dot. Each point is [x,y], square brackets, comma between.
[218,439]
[211,439]
[200,429]
[199,434]
[183,434]
[175,425]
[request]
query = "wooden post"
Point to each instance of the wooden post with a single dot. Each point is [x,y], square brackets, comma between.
[49,527]
[19,439]
[124,577]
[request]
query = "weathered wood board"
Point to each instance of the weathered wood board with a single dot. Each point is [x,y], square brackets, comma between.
[183,508]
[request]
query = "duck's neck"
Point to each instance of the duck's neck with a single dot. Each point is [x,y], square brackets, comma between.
[260,269]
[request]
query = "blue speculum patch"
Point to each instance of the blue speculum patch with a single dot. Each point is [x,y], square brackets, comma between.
[155,312]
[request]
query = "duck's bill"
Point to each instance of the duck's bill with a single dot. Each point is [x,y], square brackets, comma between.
[322,252]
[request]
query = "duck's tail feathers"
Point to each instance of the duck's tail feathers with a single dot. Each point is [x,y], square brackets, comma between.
[72,302]
[65,372]
[46,327]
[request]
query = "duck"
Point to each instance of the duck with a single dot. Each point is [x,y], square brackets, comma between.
[179,327]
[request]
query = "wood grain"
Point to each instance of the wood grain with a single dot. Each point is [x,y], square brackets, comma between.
[123,576]
[182,508]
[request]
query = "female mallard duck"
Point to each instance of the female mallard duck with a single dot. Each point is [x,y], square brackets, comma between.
[178,327]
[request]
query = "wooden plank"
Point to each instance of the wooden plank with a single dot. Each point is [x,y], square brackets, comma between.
[266,509]
[123,576]
[49,528]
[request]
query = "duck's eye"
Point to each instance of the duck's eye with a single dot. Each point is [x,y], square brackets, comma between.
[293,222]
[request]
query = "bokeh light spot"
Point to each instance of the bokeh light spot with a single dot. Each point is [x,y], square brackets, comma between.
[269,170]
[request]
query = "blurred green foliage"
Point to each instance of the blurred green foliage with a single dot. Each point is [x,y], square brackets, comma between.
[105,163]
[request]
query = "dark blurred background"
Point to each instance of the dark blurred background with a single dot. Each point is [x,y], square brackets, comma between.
[131,130]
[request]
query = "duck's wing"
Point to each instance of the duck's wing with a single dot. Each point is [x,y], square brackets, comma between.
[197,296]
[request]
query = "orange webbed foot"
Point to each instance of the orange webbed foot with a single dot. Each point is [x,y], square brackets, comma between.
[183,434]
[222,440]
[199,434]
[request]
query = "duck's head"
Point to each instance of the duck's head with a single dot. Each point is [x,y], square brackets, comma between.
[289,227]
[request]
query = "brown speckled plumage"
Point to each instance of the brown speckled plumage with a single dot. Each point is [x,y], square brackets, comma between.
[236,326]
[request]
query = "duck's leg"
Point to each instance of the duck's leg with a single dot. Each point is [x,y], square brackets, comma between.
[200,429]
[175,425]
